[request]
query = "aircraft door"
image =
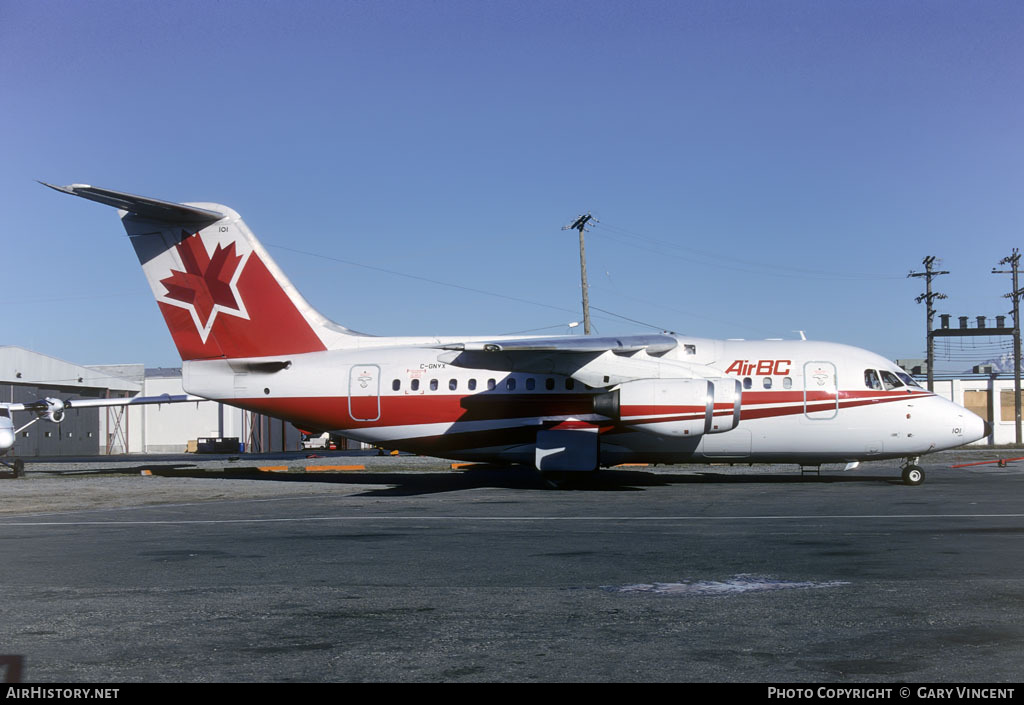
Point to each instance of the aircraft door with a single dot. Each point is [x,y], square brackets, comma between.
[821,390]
[364,393]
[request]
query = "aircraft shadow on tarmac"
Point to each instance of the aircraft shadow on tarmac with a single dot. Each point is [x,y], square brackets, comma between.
[481,476]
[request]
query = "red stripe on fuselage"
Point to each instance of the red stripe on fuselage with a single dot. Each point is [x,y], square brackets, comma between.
[332,413]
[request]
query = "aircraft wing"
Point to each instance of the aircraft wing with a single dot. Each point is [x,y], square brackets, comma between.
[596,361]
[653,344]
[50,404]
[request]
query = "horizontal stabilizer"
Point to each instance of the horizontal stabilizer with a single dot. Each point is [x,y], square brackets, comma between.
[150,208]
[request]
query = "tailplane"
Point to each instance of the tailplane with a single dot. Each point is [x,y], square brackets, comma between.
[218,289]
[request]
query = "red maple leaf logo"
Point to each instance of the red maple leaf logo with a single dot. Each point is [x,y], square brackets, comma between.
[206,281]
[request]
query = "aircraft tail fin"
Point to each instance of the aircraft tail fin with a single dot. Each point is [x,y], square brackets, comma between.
[221,294]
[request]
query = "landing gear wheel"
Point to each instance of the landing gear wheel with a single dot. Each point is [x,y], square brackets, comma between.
[19,467]
[913,475]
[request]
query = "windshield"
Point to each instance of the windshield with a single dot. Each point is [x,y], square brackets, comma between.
[910,381]
[890,380]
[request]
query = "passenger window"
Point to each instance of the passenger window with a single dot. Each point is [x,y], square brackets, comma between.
[415,384]
[871,380]
[433,385]
[453,384]
[472,384]
[767,382]
[690,349]
[787,382]
[396,385]
[549,383]
[491,384]
[747,383]
[890,380]
[569,383]
[510,384]
[530,383]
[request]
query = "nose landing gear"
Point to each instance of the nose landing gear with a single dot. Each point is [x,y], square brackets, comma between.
[912,472]
[17,465]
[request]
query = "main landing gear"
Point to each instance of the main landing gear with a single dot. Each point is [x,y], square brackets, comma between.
[912,472]
[18,466]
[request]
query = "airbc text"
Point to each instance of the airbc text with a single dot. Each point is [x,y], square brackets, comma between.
[764,368]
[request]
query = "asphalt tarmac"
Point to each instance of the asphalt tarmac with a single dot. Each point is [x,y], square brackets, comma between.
[409,571]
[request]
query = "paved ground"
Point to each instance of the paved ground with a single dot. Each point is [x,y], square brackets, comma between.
[407,571]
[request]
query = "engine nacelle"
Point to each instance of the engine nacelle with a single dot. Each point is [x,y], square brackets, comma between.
[674,407]
[54,410]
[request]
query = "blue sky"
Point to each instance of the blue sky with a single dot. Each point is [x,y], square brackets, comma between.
[757,167]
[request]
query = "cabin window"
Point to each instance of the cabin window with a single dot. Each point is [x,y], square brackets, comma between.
[531,383]
[510,384]
[569,383]
[491,384]
[415,384]
[433,385]
[472,384]
[689,349]
[767,382]
[549,383]
[453,384]
[787,382]
[871,380]
[396,385]
[747,383]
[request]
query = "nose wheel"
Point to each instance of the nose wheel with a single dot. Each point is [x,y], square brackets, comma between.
[18,466]
[913,475]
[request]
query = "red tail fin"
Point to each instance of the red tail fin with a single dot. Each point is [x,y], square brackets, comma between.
[219,291]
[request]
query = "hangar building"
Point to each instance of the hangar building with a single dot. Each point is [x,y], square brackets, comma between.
[27,376]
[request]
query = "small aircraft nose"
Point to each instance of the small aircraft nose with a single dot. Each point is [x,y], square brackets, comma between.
[6,438]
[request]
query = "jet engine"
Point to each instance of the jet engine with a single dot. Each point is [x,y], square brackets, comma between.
[674,407]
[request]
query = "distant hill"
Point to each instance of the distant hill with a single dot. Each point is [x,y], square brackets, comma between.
[1002,364]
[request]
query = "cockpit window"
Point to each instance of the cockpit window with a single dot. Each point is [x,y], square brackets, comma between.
[890,380]
[910,381]
[871,380]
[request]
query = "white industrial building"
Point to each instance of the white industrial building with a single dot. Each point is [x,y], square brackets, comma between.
[989,396]
[27,376]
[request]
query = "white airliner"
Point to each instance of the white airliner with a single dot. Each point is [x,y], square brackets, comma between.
[248,338]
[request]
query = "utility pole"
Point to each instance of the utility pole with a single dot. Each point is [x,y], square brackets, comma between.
[929,296]
[1014,262]
[580,224]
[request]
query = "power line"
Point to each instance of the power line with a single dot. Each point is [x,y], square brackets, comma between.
[771,269]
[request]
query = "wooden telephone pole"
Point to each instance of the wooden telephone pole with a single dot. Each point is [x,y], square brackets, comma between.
[580,224]
[929,296]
